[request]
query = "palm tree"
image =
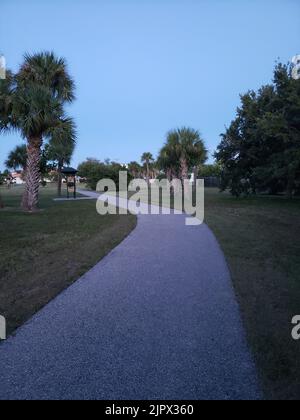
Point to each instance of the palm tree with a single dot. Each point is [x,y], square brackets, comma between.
[147,158]
[61,147]
[169,156]
[17,158]
[35,99]
[183,151]
[135,169]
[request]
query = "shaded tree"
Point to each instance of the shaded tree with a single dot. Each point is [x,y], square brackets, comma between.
[260,151]
[213,170]
[94,170]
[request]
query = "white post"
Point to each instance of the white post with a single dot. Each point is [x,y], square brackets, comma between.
[296,67]
[2,328]
[2,67]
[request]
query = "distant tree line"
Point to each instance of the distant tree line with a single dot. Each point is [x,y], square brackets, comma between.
[260,151]
[182,154]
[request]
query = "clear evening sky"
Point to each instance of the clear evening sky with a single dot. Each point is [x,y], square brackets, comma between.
[143,67]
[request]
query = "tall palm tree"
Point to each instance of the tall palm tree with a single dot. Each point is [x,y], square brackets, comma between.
[183,151]
[147,158]
[35,105]
[61,147]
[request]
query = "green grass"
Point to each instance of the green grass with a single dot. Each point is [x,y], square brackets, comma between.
[260,237]
[41,254]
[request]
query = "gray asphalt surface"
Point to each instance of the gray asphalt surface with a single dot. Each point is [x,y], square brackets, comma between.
[155,319]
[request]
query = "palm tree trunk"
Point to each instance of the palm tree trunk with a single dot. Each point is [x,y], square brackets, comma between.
[169,174]
[31,194]
[184,168]
[184,172]
[195,172]
[147,176]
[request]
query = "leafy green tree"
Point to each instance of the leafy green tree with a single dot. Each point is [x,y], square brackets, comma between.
[94,170]
[213,170]
[91,170]
[260,151]
[32,102]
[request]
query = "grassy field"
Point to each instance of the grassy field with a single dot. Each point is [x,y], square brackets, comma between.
[260,237]
[41,254]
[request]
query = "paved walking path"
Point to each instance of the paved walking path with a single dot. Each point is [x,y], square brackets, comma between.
[155,319]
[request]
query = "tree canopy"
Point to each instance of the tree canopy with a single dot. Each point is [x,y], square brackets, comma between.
[17,158]
[260,151]
[183,150]
[94,170]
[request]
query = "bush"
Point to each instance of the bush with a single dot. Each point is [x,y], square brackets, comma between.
[207,171]
[94,170]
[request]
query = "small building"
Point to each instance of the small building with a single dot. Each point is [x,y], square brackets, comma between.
[17,178]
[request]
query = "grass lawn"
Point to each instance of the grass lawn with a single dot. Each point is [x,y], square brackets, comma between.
[41,254]
[260,237]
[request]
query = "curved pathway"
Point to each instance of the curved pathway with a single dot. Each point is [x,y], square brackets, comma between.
[155,319]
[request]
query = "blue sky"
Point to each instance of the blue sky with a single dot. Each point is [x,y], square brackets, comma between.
[143,67]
